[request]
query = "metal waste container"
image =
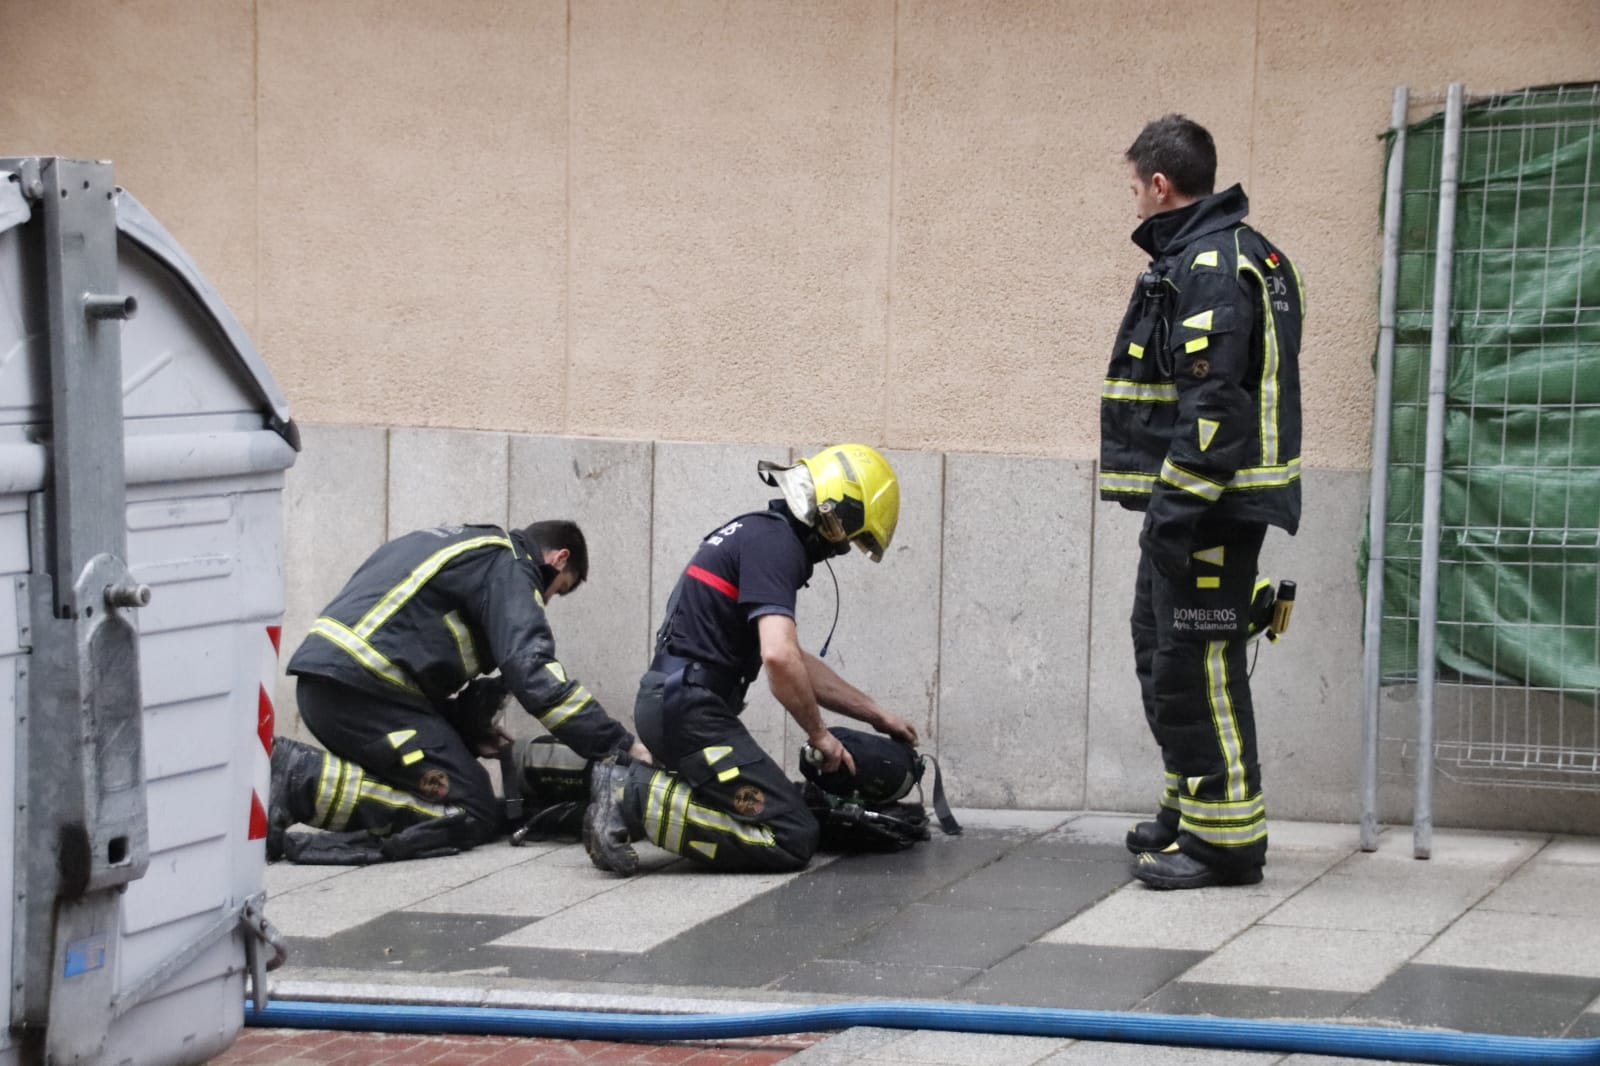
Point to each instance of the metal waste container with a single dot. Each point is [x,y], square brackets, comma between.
[143,445]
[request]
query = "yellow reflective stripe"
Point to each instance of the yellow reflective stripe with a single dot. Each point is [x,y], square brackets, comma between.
[705,848]
[378,792]
[400,736]
[557,671]
[1214,556]
[1193,784]
[570,706]
[677,812]
[396,597]
[1205,259]
[1118,389]
[1260,477]
[716,754]
[1299,283]
[1212,582]
[1194,484]
[1253,477]
[538,597]
[728,774]
[1198,344]
[410,758]
[707,818]
[351,778]
[660,782]
[1206,430]
[1269,367]
[464,645]
[362,652]
[327,785]
[1226,836]
[1117,481]
[1201,321]
[1223,720]
[1223,812]
[1136,350]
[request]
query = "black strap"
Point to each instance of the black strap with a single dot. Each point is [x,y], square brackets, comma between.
[941,806]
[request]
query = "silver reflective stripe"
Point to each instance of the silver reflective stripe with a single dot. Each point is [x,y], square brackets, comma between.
[362,652]
[707,818]
[1192,483]
[1117,389]
[1223,720]
[1226,837]
[464,643]
[1222,811]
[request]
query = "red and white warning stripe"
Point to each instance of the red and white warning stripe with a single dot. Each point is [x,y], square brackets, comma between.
[265,723]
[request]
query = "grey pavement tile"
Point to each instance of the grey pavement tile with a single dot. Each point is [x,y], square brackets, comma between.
[1587,1027]
[1335,960]
[1106,1053]
[282,878]
[534,889]
[1577,851]
[1243,1001]
[1197,920]
[1471,847]
[1079,976]
[947,936]
[334,904]
[1478,1001]
[643,912]
[877,979]
[968,1049]
[1283,835]
[1381,892]
[1546,887]
[408,941]
[1023,882]
[1526,943]
[1000,818]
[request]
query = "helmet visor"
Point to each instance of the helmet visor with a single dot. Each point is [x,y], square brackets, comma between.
[869,544]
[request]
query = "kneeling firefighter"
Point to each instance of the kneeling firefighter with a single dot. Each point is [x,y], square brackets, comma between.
[715,796]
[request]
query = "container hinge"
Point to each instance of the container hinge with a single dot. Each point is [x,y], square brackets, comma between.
[249,918]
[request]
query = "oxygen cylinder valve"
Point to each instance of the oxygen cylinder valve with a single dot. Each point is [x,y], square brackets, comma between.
[811,755]
[1282,608]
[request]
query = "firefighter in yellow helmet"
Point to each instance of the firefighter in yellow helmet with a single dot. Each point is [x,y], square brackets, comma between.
[715,796]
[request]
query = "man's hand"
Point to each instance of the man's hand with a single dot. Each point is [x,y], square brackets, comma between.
[834,754]
[641,754]
[895,726]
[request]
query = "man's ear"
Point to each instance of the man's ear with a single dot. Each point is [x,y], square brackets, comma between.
[1161,187]
[557,558]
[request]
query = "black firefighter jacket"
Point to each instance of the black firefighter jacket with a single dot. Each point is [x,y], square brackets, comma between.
[430,610]
[1200,412]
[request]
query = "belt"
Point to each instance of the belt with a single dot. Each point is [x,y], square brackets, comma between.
[720,680]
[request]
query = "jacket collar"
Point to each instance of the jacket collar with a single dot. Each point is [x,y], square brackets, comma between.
[1162,234]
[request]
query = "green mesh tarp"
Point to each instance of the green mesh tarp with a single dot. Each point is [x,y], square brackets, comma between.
[1520,517]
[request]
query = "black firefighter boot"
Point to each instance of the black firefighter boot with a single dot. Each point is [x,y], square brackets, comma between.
[291,797]
[613,819]
[1154,835]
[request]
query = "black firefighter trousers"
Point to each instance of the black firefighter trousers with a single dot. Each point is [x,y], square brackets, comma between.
[1189,649]
[720,801]
[397,782]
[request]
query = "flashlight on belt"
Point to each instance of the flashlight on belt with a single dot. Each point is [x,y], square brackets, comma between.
[1282,608]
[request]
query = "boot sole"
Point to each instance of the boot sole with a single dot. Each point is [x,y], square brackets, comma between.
[594,819]
[1209,879]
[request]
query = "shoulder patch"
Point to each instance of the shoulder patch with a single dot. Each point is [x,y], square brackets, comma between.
[1207,258]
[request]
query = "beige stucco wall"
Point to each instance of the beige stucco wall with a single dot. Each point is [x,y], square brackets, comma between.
[897,220]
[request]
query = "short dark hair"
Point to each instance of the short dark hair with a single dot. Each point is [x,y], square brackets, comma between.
[1181,149]
[559,533]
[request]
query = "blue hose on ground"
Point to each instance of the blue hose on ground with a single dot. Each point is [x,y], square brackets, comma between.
[1234,1034]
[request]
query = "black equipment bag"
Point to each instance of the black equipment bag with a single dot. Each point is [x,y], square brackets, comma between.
[867,810]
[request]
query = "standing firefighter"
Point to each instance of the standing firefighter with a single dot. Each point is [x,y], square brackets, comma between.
[720,800]
[386,681]
[1200,430]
